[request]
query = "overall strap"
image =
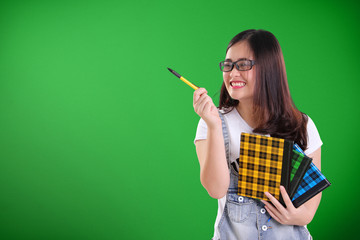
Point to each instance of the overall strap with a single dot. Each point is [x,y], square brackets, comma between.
[226,138]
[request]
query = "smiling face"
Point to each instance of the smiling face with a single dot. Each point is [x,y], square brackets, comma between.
[240,84]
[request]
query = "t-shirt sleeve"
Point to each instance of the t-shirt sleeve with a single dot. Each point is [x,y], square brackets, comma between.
[201,132]
[314,141]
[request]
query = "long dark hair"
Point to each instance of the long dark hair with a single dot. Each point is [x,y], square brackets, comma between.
[274,109]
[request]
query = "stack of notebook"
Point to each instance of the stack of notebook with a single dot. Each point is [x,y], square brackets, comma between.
[265,163]
[312,183]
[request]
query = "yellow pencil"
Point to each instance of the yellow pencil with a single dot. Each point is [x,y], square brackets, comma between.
[183,79]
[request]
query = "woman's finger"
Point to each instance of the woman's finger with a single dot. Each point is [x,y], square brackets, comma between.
[276,203]
[273,210]
[200,99]
[198,102]
[286,198]
[207,107]
[272,214]
[198,93]
[203,100]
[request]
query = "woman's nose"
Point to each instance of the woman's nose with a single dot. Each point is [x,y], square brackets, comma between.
[234,72]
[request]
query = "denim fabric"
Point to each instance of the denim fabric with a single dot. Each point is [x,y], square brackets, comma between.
[246,218]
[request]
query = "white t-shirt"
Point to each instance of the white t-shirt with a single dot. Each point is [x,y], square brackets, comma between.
[236,125]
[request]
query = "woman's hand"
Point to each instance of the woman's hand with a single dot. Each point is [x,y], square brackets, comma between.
[205,108]
[289,215]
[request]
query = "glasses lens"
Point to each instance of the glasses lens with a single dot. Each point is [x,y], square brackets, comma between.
[226,66]
[244,65]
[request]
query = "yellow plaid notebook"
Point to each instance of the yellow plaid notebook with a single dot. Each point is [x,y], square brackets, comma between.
[264,165]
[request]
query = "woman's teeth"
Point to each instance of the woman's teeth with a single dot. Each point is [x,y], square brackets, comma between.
[238,84]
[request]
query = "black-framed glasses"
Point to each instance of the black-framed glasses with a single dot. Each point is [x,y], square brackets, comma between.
[241,65]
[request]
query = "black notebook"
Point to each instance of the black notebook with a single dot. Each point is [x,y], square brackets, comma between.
[300,164]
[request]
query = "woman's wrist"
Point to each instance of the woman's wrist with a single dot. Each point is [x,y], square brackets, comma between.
[214,125]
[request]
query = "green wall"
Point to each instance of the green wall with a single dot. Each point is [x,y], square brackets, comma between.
[96,136]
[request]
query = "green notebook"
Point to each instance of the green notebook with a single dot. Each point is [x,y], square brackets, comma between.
[299,165]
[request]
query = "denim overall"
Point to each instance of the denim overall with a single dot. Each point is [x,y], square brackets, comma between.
[246,218]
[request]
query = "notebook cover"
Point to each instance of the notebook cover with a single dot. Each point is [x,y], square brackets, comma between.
[264,165]
[299,163]
[313,183]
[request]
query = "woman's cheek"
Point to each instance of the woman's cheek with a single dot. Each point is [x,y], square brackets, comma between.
[226,77]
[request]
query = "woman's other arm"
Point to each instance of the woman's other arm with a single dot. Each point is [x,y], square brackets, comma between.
[214,173]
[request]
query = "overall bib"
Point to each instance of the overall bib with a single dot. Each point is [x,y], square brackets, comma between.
[246,218]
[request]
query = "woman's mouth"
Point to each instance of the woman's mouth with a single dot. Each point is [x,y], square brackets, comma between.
[237,84]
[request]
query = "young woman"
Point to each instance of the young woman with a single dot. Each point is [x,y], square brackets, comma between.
[254,98]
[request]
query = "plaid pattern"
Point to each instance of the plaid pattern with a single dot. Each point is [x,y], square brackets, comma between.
[300,163]
[295,163]
[312,177]
[313,183]
[260,166]
[297,148]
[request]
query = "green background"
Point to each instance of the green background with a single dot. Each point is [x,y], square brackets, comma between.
[97,136]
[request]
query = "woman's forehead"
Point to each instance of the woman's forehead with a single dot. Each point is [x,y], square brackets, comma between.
[239,50]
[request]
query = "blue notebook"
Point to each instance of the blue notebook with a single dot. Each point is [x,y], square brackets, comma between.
[313,183]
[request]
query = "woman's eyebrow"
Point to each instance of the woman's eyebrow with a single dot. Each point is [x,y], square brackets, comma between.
[229,59]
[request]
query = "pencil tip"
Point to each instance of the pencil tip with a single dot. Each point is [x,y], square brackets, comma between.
[175,73]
